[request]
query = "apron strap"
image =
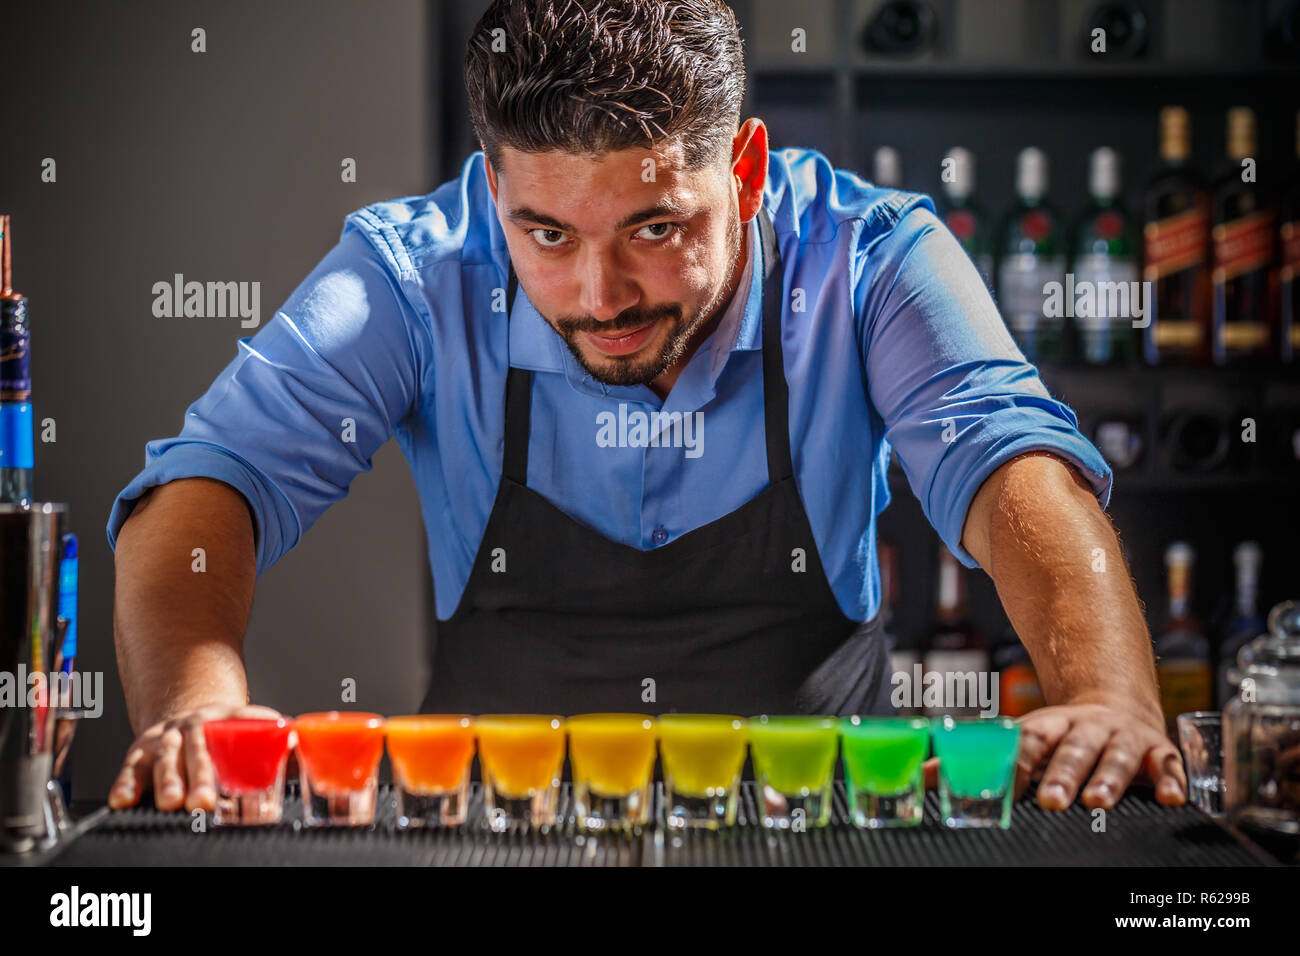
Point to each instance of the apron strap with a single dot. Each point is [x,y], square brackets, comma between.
[776,396]
[776,400]
[519,395]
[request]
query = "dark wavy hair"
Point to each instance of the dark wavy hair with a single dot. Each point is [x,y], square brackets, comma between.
[591,76]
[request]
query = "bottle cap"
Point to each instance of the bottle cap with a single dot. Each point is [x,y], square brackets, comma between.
[959,168]
[1241,132]
[1031,173]
[1103,173]
[1175,134]
[1247,554]
[888,169]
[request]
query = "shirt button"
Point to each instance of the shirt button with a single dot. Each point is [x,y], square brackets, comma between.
[659,536]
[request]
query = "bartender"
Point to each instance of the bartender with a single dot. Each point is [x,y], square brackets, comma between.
[648,376]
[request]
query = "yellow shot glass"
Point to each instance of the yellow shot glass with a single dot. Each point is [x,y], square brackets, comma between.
[613,758]
[703,755]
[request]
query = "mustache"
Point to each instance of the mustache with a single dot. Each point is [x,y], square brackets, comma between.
[625,322]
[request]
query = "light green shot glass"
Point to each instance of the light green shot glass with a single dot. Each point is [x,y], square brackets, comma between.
[794,765]
[884,760]
[977,770]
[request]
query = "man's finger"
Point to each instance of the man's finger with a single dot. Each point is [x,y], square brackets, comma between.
[1164,765]
[202,790]
[257,712]
[1119,764]
[931,768]
[168,784]
[1071,762]
[132,779]
[1039,734]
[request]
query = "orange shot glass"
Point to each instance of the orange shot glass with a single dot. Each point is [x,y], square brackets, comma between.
[338,761]
[522,756]
[431,756]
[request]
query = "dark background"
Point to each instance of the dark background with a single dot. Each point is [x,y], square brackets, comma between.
[225,166]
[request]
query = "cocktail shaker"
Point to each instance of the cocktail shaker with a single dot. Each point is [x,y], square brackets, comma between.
[32,814]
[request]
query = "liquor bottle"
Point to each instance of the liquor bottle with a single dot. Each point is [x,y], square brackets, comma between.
[16,439]
[1105,257]
[1018,689]
[887,168]
[1246,623]
[956,654]
[1289,261]
[1242,251]
[1029,258]
[902,656]
[1175,251]
[1182,651]
[962,215]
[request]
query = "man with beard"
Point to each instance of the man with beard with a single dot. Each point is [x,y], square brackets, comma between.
[624,242]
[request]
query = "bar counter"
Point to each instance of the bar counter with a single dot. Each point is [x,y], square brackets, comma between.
[1138,832]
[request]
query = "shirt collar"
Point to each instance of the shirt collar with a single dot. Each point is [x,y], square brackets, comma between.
[535,345]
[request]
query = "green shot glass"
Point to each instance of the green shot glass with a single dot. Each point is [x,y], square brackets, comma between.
[794,764]
[977,769]
[884,760]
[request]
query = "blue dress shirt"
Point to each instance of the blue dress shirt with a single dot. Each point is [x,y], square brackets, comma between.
[890,339]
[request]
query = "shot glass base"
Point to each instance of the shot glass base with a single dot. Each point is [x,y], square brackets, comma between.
[415,810]
[682,811]
[600,814]
[975,813]
[531,812]
[254,808]
[876,811]
[355,808]
[1206,793]
[796,813]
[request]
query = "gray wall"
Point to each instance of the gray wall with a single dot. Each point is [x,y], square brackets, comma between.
[221,166]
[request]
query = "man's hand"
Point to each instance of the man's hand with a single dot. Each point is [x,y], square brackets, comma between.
[173,756]
[1107,746]
[1036,527]
[1110,747]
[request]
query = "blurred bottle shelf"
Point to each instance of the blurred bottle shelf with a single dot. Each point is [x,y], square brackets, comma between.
[977,70]
[1067,38]
[1172,429]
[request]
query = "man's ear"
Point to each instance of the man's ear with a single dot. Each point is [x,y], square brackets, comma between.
[749,166]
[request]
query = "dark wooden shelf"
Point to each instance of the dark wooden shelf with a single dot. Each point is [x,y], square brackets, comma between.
[1027,69]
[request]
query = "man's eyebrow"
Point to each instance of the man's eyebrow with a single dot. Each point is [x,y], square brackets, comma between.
[520,214]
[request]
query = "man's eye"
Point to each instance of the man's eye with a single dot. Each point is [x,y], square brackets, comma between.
[548,238]
[662,230]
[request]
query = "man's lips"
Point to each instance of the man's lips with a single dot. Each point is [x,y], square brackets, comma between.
[621,343]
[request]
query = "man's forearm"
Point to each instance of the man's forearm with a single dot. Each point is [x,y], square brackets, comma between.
[178,626]
[1056,561]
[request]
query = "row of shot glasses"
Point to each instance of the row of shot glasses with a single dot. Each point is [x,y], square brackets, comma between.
[612,758]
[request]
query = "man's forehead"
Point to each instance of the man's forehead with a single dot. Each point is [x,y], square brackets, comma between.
[669,158]
[596,192]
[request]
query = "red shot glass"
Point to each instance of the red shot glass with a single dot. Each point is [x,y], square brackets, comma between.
[249,757]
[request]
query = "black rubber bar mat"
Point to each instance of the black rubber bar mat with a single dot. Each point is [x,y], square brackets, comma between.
[1138,832]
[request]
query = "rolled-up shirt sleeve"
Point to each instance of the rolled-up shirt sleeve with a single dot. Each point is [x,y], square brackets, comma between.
[957,396]
[305,403]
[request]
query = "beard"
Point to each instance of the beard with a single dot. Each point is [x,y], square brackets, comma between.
[638,368]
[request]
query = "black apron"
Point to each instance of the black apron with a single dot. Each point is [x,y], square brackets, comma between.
[716,621]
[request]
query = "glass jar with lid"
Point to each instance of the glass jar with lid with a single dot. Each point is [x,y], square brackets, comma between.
[1261,729]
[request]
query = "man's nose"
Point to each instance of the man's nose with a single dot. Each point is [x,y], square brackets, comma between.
[606,291]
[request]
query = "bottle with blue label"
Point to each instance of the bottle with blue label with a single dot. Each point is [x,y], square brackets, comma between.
[16,442]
